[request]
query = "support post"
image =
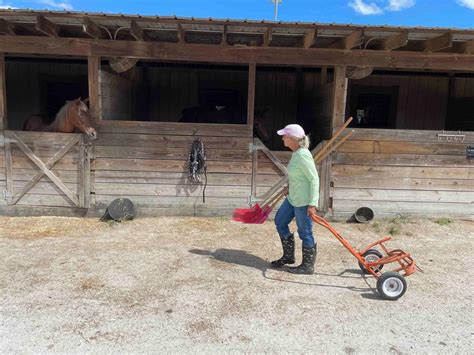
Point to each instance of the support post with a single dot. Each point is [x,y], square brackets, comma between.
[3,93]
[250,118]
[94,87]
[251,94]
[339,97]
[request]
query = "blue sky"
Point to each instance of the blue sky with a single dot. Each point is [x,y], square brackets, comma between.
[430,13]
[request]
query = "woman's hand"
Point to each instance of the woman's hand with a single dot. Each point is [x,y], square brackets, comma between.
[311,210]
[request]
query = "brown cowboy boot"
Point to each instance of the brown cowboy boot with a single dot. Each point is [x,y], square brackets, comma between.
[307,265]
[288,257]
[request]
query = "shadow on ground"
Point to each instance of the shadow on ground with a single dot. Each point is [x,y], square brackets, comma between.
[243,258]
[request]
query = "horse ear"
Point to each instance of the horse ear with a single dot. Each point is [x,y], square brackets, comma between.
[86,100]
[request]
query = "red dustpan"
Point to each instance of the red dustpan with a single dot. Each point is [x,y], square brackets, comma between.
[257,214]
[242,213]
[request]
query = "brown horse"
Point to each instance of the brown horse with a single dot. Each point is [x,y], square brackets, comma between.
[73,115]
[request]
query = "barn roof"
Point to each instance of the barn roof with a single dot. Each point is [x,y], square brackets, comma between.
[234,32]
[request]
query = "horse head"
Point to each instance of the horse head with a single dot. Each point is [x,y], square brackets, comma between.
[80,117]
[260,125]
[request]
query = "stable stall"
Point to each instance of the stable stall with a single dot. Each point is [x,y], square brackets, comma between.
[156,84]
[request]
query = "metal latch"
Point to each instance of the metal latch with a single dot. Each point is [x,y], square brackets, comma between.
[469,152]
[253,199]
[254,147]
[7,195]
[7,140]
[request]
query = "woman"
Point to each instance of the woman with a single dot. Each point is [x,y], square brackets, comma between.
[301,202]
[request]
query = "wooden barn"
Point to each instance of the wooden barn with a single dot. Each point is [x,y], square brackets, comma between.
[155,84]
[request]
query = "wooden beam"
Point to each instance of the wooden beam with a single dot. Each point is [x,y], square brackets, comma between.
[351,41]
[181,34]
[310,38]
[438,43]
[395,41]
[464,47]
[235,55]
[324,75]
[92,29]
[224,36]
[46,27]
[136,31]
[6,27]
[267,37]
[251,94]
[339,97]
[94,87]
[3,94]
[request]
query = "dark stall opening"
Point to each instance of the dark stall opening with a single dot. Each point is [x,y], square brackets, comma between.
[41,87]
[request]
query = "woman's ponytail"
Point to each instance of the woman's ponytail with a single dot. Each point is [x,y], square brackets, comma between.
[304,142]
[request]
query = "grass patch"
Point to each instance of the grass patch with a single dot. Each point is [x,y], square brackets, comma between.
[394,230]
[90,284]
[395,225]
[444,221]
[400,219]
[376,227]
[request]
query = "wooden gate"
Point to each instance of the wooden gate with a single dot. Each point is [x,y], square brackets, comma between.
[47,169]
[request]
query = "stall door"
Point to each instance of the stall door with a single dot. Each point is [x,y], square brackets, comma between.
[46,169]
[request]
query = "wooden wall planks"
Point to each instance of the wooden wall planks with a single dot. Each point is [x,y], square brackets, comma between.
[411,173]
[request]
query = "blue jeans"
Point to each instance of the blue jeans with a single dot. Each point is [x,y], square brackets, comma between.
[285,215]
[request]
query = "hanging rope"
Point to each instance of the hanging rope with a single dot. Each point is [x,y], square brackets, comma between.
[197,165]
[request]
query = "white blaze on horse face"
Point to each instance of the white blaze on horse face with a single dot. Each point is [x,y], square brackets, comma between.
[91,132]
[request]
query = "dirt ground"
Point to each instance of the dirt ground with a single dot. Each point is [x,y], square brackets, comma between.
[203,285]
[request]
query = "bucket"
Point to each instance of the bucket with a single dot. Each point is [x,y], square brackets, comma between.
[120,209]
[364,215]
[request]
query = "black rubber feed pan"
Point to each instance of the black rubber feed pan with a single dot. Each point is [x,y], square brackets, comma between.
[364,215]
[120,209]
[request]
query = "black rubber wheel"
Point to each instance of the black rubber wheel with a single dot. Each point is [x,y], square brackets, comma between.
[391,286]
[370,256]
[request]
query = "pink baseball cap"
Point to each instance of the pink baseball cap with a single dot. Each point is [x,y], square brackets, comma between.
[294,130]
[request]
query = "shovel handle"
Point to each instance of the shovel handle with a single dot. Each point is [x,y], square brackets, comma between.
[318,156]
[276,198]
[346,137]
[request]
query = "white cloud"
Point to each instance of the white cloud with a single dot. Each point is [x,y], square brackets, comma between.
[57,4]
[365,8]
[6,6]
[397,5]
[380,6]
[467,3]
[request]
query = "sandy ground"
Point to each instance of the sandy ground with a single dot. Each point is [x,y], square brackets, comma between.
[192,285]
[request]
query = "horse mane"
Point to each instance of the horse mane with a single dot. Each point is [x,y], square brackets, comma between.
[60,117]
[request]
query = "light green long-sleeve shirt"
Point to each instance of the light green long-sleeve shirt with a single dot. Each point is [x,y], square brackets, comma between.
[303,179]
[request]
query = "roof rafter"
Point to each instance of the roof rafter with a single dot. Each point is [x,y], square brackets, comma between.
[224,36]
[438,43]
[6,27]
[136,31]
[92,29]
[395,41]
[46,27]
[181,35]
[467,47]
[350,41]
[309,39]
[267,37]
